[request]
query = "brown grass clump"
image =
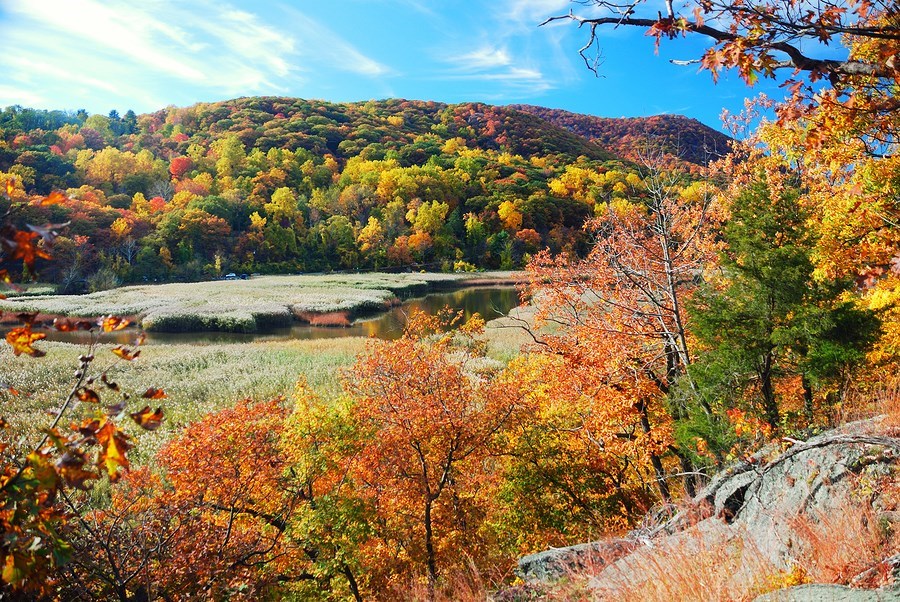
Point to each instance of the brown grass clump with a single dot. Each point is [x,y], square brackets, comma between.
[710,561]
[461,585]
[339,319]
[881,399]
[688,567]
[839,546]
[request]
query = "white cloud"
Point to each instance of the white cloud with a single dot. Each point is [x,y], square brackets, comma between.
[10,95]
[516,80]
[530,13]
[484,58]
[168,49]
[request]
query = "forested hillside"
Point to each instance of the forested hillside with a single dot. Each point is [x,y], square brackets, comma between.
[682,138]
[284,185]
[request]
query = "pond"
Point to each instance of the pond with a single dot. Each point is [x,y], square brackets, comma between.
[488,301]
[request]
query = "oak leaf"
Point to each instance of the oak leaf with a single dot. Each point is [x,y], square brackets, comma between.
[22,339]
[147,418]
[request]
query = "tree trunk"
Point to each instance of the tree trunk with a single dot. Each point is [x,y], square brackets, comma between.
[807,398]
[688,471]
[658,469]
[429,551]
[770,405]
[351,581]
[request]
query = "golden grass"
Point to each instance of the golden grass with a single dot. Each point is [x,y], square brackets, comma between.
[878,394]
[198,378]
[840,546]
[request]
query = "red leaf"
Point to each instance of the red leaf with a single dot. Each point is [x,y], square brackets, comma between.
[152,393]
[87,395]
[69,325]
[70,467]
[109,384]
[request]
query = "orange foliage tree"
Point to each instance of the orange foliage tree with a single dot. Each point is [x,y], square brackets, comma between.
[211,523]
[429,422]
[621,309]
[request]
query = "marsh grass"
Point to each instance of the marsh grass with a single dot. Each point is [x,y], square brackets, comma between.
[244,305]
[198,379]
[30,290]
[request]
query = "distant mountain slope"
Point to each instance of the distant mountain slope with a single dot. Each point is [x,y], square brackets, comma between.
[683,137]
[344,129]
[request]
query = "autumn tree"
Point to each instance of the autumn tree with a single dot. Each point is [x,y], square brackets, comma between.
[627,297]
[211,524]
[429,422]
[583,453]
[762,39]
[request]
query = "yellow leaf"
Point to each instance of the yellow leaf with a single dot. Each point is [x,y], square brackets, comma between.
[21,340]
[113,449]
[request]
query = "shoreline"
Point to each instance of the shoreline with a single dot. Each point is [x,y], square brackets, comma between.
[322,300]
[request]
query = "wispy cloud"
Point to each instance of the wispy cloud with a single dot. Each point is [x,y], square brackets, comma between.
[157,48]
[499,67]
[529,13]
[486,57]
[318,42]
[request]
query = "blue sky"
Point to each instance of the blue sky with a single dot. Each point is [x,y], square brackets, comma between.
[145,55]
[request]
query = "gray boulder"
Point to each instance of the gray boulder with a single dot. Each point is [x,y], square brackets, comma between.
[829,593]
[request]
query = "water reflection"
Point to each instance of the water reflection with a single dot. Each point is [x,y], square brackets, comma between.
[490,302]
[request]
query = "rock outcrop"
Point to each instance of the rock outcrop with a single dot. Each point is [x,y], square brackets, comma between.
[756,511]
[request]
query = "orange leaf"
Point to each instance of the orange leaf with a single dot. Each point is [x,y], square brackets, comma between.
[112,323]
[152,393]
[125,353]
[69,325]
[22,247]
[113,449]
[54,198]
[21,339]
[10,186]
[87,395]
[148,419]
